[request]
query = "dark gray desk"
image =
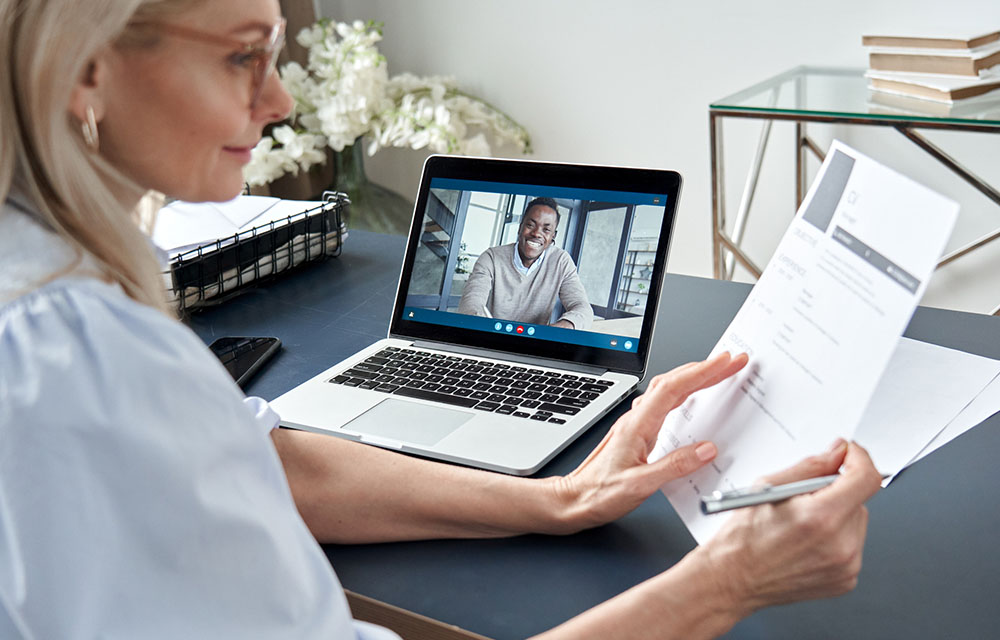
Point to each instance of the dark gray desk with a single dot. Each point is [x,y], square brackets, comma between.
[931,570]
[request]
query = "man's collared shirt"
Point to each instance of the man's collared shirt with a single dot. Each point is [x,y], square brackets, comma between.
[523,270]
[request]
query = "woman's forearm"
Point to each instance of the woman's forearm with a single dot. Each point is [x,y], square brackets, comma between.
[354,493]
[686,602]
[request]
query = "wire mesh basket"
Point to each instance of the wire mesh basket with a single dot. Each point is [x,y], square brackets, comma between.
[216,271]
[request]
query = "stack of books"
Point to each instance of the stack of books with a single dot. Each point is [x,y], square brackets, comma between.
[939,69]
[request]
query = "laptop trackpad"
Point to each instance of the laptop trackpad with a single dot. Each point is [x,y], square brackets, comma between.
[408,422]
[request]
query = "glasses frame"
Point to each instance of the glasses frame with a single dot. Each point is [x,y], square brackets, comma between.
[265,56]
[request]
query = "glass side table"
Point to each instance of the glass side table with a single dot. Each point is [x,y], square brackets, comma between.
[830,95]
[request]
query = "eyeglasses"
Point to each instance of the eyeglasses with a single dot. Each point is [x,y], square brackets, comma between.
[263,55]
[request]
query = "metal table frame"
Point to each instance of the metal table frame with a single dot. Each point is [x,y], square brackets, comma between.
[726,248]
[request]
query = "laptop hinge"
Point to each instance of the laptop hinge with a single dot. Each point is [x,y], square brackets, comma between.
[512,357]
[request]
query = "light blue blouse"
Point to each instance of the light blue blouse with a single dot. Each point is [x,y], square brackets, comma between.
[140,493]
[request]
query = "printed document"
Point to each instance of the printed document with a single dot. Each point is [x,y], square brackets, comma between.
[820,327]
[926,388]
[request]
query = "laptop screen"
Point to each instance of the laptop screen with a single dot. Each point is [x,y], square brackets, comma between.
[550,260]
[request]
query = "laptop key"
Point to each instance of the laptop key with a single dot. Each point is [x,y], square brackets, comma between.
[368,384]
[506,410]
[539,417]
[341,379]
[479,395]
[573,402]
[597,388]
[358,373]
[557,420]
[387,388]
[423,394]
[558,408]
[521,414]
[485,405]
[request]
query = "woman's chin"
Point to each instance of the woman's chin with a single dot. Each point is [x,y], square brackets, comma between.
[213,193]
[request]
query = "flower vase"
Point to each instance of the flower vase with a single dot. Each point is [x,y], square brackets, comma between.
[373,207]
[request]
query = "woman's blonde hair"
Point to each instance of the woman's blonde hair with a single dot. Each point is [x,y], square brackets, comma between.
[45,47]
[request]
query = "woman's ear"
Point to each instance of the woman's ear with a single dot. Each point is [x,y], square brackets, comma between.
[90,88]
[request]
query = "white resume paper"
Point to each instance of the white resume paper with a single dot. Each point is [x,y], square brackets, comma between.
[820,327]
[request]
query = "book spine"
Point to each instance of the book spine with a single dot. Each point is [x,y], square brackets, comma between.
[949,65]
[923,64]
[932,93]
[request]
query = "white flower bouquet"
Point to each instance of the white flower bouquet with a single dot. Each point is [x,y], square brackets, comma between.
[345,93]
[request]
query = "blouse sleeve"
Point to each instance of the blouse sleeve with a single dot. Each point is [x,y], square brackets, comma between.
[137,498]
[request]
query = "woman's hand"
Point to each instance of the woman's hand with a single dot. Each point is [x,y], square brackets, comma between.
[616,478]
[803,548]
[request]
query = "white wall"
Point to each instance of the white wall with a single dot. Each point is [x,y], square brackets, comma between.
[629,82]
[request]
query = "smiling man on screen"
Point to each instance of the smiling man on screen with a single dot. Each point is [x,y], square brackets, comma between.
[521,281]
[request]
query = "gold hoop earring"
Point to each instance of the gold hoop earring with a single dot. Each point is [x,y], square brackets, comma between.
[90,135]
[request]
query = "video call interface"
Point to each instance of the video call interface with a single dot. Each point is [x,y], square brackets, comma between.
[536,262]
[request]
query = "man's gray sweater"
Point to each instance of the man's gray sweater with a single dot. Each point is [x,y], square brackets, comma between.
[497,289]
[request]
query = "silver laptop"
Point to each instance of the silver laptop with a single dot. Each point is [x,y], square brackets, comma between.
[524,313]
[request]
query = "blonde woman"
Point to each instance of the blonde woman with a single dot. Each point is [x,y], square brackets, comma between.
[141,495]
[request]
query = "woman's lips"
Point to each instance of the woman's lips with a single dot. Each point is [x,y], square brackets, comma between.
[240,153]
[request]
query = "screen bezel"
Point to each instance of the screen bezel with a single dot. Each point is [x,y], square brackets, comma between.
[653,181]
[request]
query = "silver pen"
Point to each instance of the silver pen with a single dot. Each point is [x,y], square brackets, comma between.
[725,500]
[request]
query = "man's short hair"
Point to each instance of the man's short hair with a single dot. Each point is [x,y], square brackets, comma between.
[542,202]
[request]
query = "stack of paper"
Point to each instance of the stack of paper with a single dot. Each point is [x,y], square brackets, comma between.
[182,226]
[939,69]
[822,328]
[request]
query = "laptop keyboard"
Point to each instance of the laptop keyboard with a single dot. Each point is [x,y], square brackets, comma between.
[522,392]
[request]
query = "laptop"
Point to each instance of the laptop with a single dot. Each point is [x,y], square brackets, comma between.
[476,370]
